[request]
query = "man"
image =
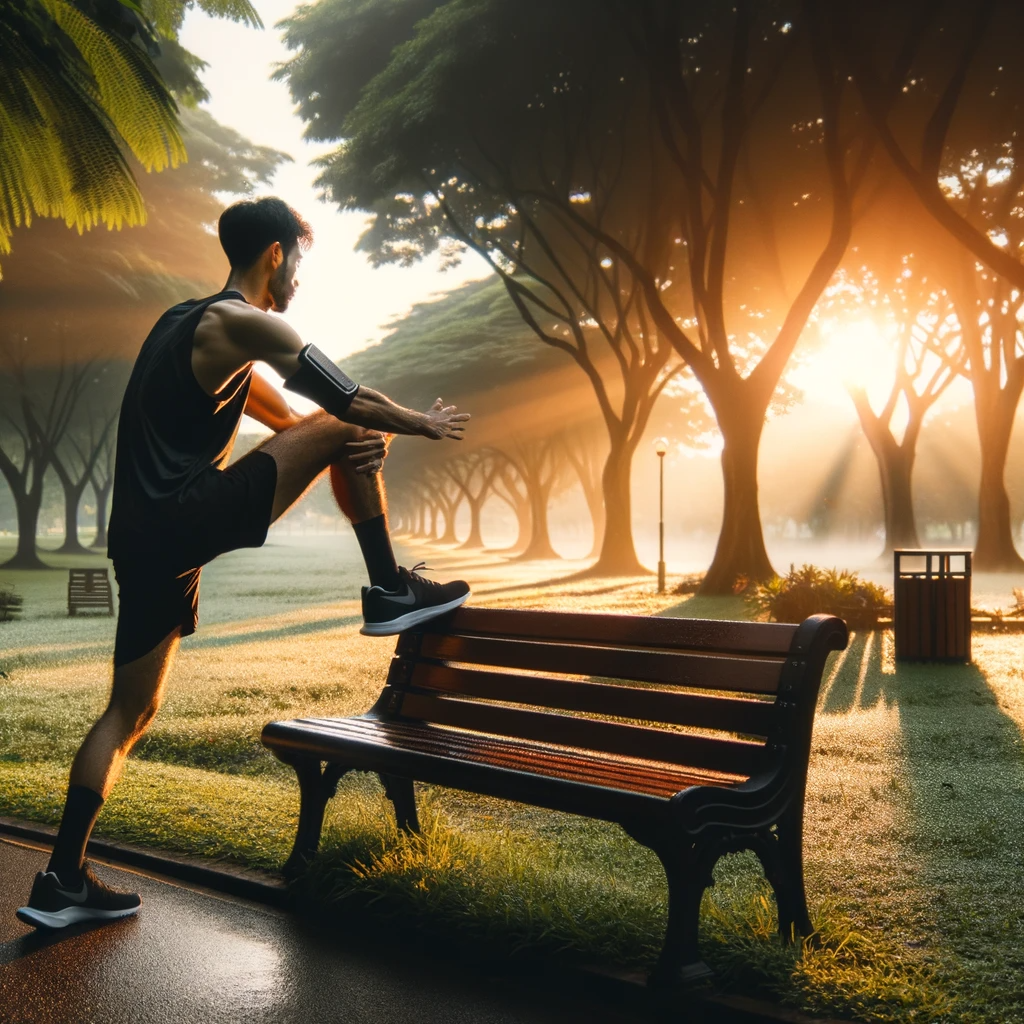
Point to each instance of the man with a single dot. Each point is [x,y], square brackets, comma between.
[175,506]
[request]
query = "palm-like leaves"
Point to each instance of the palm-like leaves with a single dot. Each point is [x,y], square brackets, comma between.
[77,94]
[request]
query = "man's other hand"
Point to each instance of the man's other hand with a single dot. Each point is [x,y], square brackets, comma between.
[444,421]
[368,455]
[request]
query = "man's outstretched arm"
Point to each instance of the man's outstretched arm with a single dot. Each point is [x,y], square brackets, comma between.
[239,335]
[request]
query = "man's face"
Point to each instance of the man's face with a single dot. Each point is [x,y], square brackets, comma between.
[283,282]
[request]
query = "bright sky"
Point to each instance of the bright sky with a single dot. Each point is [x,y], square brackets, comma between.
[342,303]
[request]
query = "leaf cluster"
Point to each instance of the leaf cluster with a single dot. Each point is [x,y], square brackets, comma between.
[810,590]
[81,97]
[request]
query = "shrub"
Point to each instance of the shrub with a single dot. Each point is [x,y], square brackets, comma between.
[809,590]
[10,604]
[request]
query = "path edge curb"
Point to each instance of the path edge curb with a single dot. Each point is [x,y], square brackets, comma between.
[263,888]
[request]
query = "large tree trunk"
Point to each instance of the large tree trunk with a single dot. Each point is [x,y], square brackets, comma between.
[741,554]
[102,496]
[618,552]
[475,538]
[25,555]
[72,498]
[995,550]
[449,537]
[598,518]
[895,472]
[540,539]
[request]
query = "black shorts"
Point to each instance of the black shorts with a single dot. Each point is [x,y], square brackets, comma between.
[158,575]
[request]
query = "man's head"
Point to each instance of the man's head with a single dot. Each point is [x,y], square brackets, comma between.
[264,239]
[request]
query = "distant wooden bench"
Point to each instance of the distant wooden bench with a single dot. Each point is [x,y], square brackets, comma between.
[89,588]
[693,735]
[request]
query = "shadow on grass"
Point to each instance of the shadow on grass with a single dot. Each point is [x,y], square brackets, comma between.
[963,762]
[198,641]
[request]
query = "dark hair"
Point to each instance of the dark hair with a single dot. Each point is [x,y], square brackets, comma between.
[246,229]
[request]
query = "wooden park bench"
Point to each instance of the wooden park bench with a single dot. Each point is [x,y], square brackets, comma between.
[693,735]
[89,588]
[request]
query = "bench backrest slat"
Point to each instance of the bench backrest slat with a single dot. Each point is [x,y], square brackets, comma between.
[736,714]
[745,675]
[752,638]
[721,696]
[734,756]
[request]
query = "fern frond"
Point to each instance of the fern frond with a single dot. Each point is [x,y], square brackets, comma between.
[130,90]
[167,15]
[60,150]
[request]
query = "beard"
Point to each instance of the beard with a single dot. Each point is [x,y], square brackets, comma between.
[280,288]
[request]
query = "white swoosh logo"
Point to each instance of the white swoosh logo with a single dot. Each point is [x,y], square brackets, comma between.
[410,597]
[76,897]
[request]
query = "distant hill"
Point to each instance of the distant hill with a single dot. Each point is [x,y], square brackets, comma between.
[469,342]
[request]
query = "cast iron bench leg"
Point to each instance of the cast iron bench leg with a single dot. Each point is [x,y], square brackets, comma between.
[688,870]
[402,795]
[781,856]
[316,787]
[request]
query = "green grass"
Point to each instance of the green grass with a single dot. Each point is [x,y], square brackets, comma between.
[915,807]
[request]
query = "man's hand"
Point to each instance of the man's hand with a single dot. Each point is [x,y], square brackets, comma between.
[443,421]
[368,455]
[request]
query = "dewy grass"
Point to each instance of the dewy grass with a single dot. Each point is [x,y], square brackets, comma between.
[915,804]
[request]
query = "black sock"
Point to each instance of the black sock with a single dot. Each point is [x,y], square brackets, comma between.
[80,811]
[375,543]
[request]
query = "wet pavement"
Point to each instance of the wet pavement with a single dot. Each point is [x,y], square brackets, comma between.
[195,957]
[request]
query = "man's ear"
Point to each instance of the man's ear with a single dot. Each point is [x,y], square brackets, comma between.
[276,256]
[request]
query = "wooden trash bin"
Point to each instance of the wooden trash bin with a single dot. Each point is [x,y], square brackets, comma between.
[932,605]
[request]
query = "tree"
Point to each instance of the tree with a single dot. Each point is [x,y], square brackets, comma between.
[919,321]
[38,408]
[584,452]
[90,433]
[474,474]
[102,481]
[624,168]
[78,89]
[510,488]
[945,102]
[474,187]
[991,312]
[539,464]
[942,86]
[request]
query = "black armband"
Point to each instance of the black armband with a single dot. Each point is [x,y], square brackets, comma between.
[319,380]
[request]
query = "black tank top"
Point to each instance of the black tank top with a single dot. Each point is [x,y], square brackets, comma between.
[170,430]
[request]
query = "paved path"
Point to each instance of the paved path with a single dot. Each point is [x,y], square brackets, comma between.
[192,957]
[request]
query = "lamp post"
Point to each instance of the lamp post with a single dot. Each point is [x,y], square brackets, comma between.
[661,518]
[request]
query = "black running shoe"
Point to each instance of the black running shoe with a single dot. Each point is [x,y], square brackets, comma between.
[414,601]
[53,906]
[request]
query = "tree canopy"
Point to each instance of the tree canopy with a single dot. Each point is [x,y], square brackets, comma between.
[627,170]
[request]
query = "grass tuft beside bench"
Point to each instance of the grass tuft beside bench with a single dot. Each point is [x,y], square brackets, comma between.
[693,735]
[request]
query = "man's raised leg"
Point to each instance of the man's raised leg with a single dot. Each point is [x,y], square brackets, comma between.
[396,599]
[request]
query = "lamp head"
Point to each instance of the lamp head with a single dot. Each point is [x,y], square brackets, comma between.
[661,447]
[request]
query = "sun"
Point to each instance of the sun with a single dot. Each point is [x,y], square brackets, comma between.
[854,353]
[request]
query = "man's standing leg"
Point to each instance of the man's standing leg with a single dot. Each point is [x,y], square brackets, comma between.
[67,892]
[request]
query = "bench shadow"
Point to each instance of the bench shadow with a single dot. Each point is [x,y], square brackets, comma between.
[961,815]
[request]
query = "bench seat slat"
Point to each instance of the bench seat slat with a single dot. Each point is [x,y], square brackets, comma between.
[450,742]
[607,737]
[735,714]
[329,737]
[765,638]
[753,675]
